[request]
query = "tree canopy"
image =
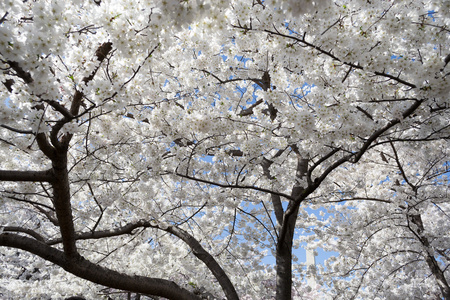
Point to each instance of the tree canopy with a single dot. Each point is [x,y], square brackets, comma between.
[167,148]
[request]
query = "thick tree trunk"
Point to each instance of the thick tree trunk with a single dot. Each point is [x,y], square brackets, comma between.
[286,234]
[284,260]
[61,201]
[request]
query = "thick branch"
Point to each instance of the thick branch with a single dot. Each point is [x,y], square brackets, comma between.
[34,176]
[249,111]
[57,152]
[20,72]
[45,146]
[30,232]
[87,270]
[276,199]
[196,247]
[60,108]
[432,263]
[287,230]
[353,157]
[69,114]
[208,260]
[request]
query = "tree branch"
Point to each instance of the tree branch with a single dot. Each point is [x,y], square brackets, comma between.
[34,176]
[236,186]
[329,54]
[26,76]
[432,263]
[183,235]
[353,158]
[207,259]
[399,165]
[16,130]
[389,125]
[3,18]
[276,199]
[249,111]
[45,146]
[87,270]
[30,232]
[101,54]
[59,108]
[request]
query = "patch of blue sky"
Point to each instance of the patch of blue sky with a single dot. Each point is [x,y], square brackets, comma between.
[387,179]
[291,31]
[431,14]
[441,175]
[243,59]
[299,93]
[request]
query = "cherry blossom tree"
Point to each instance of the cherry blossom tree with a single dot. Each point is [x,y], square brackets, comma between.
[166,148]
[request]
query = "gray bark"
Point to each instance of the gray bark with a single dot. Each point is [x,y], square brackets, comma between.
[286,236]
[431,261]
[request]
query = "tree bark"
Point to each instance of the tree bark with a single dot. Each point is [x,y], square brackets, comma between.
[431,261]
[61,201]
[85,269]
[33,176]
[208,260]
[194,244]
[286,235]
[284,260]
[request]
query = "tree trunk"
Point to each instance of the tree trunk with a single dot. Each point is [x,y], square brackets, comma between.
[284,260]
[61,201]
[286,234]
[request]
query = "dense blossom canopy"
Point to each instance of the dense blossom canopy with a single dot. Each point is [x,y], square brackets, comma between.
[169,147]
